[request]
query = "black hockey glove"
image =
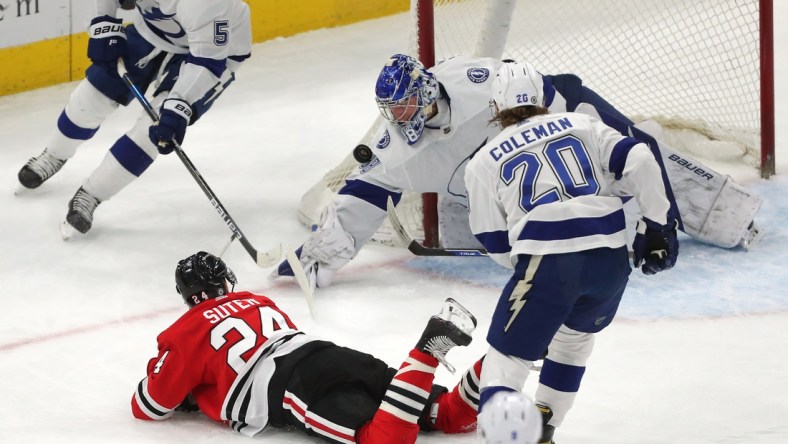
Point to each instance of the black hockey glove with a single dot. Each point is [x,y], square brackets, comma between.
[107,39]
[175,116]
[656,246]
[188,405]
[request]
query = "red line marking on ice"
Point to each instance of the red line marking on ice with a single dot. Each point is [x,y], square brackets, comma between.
[85,329]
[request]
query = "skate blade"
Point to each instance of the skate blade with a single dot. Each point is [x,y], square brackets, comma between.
[67,231]
[460,316]
[22,190]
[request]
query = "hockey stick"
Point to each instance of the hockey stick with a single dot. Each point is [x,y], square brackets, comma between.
[420,250]
[264,259]
[307,285]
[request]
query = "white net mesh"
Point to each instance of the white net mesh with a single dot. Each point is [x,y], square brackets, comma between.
[685,63]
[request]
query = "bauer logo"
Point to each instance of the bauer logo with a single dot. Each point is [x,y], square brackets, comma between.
[364,167]
[478,75]
[384,141]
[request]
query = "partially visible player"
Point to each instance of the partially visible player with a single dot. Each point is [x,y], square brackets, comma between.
[188,50]
[544,200]
[239,359]
[510,418]
[437,118]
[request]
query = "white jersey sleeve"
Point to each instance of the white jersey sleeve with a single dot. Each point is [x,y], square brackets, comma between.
[487,218]
[640,176]
[361,203]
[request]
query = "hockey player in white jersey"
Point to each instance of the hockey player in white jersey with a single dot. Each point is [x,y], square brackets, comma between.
[435,119]
[547,199]
[188,50]
[431,129]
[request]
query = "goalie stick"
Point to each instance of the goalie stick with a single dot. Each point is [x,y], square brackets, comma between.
[264,259]
[420,250]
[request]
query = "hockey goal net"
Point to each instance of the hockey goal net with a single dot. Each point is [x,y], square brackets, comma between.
[701,68]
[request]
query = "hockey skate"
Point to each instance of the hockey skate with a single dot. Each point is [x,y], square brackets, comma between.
[547,430]
[38,169]
[451,327]
[80,214]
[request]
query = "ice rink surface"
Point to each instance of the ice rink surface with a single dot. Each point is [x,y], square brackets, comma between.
[696,355]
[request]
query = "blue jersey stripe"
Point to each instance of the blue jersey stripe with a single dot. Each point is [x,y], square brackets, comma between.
[608,224]
[377,196]
[618,158]
[214,66]
[495,242]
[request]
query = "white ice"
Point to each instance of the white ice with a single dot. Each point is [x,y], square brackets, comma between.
[697,354]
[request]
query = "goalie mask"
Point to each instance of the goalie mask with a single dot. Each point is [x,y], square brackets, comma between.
[517,84]
[202,276]
[403,89]
[509,418]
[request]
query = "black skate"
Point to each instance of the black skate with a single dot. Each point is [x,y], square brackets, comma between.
[80,211]
[547,430]
[38,169]
[451,327]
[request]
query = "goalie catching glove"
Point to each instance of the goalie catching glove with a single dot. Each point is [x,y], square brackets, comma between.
[328,249]
[656,246]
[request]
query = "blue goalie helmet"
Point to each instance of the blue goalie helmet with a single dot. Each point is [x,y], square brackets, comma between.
[201,277]
[403,89]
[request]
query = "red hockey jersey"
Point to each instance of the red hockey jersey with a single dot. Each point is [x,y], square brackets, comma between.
[222,352]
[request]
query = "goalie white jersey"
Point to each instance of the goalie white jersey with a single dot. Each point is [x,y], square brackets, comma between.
[545,186]
[435,163]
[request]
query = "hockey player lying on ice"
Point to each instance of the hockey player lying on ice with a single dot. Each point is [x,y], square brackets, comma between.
[239,359]
[436,119]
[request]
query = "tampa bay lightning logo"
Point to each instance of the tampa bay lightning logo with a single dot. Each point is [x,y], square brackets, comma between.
[384,141]
[478,75]
[163,25]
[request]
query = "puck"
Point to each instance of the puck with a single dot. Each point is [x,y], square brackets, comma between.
[362,154]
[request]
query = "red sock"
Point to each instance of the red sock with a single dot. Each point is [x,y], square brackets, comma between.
[396,419]
[457,410]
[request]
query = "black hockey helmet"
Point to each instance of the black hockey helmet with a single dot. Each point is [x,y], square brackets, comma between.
[202,276]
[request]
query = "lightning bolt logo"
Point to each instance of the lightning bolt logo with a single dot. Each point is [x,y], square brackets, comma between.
[517,298]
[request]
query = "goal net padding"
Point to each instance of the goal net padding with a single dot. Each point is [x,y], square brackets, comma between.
[693,66]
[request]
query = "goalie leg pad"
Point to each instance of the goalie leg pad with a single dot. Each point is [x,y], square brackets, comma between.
[730,221]
[713,208]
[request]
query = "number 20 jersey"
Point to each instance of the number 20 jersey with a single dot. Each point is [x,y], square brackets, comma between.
[551,184]
[222,352]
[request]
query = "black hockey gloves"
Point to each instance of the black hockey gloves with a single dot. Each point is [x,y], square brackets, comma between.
[175,116]
[655,247]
